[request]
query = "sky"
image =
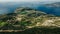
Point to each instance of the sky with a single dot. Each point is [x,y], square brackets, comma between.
[25,0]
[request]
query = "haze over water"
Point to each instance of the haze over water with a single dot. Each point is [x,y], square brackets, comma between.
[10,7]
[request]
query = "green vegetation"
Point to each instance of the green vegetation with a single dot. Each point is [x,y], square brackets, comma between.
[29,20]
[2,24]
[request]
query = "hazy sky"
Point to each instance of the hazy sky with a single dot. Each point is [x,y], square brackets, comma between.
[25,0]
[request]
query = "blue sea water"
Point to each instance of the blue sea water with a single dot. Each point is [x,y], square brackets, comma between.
[10,8]
[50,10]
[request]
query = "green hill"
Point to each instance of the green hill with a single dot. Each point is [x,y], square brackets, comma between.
[26,18]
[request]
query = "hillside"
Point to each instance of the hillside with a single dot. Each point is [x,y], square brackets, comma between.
[26,18]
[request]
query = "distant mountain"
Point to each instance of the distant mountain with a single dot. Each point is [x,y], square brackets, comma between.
[52,8]
[57,4]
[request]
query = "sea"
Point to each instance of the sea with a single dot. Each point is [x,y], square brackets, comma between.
[10,7]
